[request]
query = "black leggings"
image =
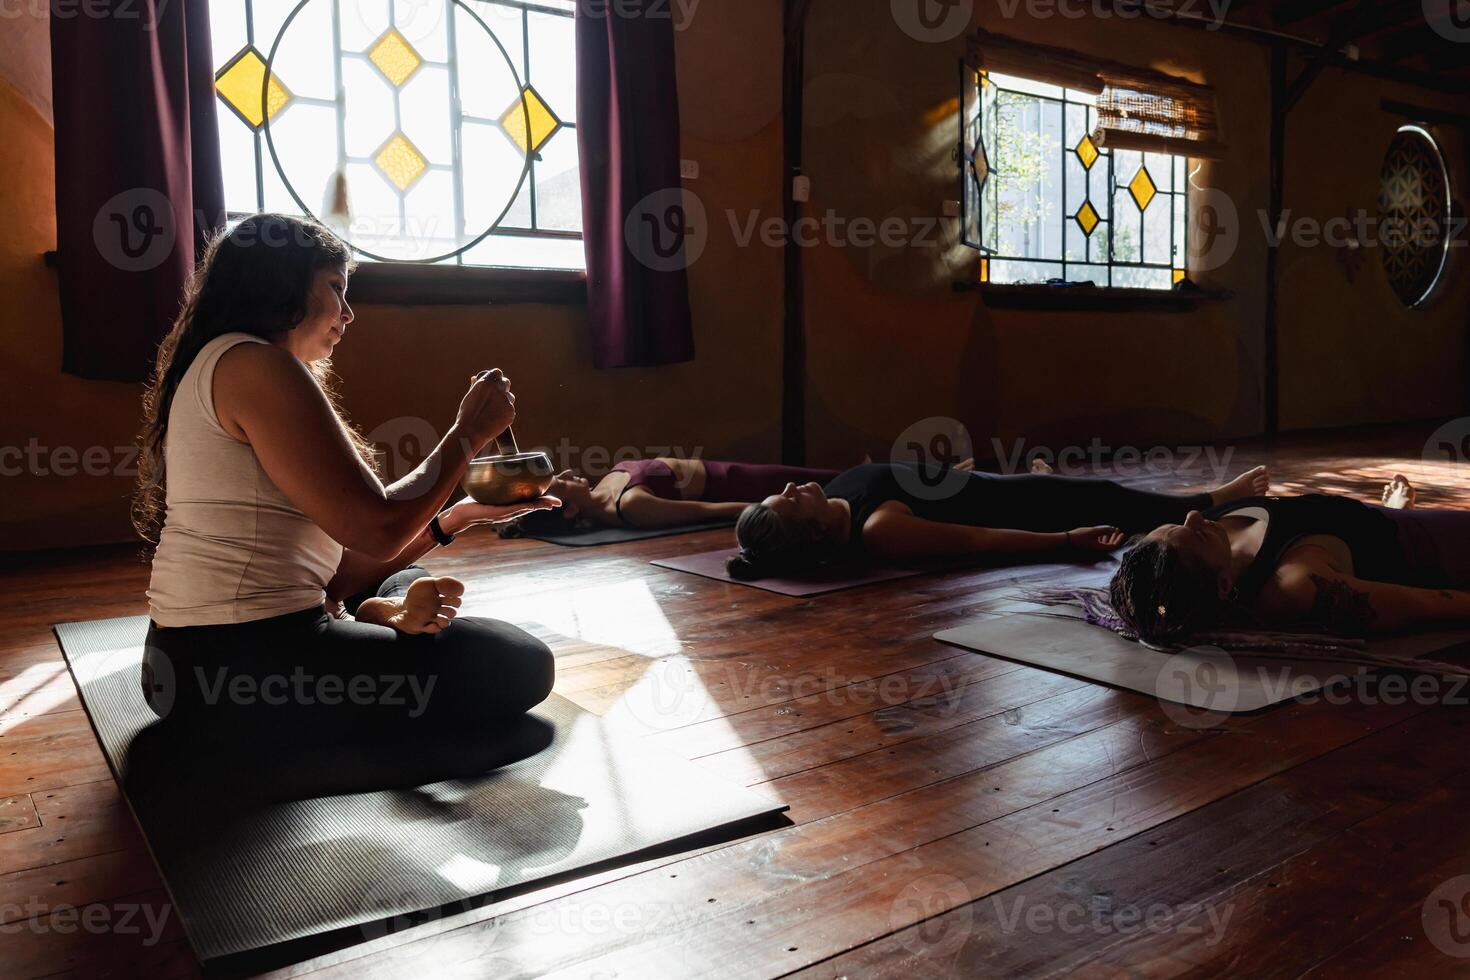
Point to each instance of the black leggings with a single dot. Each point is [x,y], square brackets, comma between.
[1045,502]
[307,675]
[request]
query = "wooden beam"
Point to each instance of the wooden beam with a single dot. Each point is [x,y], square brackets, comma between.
[1342,30]
[1425,114]
[1271,370]
[1449,85]
[793,333]
[1294,11]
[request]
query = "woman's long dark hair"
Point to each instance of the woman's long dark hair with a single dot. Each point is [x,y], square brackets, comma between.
[255,278]
[771,546]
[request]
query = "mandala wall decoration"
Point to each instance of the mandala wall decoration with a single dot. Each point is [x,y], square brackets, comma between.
[1414,215]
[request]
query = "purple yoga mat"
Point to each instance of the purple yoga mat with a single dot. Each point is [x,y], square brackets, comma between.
[828,578]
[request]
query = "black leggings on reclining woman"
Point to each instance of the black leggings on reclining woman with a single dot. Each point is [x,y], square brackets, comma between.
[309,675]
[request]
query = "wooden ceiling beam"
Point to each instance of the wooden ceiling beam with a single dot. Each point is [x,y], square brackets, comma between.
[1293,11]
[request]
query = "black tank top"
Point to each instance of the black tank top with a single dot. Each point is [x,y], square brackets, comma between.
[1371,537]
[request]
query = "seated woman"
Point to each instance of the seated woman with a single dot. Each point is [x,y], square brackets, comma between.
[1317,561]
[267,514]
[894,512]
[667,492]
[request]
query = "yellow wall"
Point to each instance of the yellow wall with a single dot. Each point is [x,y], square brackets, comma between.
[1350,351]
[892,344]
[401,364]
[889,342]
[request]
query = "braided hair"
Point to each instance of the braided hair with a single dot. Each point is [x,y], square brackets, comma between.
[1160,598]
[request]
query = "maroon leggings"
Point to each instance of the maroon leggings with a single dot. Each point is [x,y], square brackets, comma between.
[1436,545]
[723,483]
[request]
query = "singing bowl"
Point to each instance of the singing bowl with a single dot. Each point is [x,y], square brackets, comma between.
[502,480]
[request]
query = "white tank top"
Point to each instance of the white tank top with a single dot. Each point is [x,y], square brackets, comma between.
[233,549]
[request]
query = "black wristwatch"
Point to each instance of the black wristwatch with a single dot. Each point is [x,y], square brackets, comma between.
[442,536]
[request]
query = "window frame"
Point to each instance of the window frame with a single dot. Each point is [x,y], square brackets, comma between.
[386,279]
[1073,294]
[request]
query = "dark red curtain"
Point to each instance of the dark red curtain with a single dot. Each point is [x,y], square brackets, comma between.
[638,229]
[138,186]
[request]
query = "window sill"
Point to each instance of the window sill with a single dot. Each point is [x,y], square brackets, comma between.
[404,284]
[1088,298]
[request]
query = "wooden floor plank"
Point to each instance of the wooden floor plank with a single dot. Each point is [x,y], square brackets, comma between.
[1173,900]
[857,893]
[899,826]
[17,813]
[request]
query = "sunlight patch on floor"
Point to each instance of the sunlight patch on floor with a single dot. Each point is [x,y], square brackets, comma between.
[622,614]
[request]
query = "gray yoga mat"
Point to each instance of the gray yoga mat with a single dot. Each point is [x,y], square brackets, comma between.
[827,578]
[1056,638]
[832,578]
[270,861]
[576,534]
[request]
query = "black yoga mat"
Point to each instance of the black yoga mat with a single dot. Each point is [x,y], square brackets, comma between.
[553,528]
[269,861]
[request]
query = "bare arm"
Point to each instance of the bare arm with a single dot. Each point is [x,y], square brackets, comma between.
[897,536]
[893,533]
[271,399]
[1309,589]
[358,571]
[643,509]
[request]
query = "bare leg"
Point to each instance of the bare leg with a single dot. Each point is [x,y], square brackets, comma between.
[1252,483]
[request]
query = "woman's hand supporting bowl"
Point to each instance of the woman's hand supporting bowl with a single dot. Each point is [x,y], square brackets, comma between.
[467,513]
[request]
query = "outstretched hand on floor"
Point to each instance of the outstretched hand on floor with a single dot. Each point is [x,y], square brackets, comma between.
[1102,538]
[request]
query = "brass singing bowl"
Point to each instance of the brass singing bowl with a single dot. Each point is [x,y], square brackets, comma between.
[504,480]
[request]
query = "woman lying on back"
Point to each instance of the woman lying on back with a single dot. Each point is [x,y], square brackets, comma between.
[1318,561]
[668,491]
[893,512]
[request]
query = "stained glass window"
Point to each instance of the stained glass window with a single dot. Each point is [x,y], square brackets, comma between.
[1044,202]
[451,124]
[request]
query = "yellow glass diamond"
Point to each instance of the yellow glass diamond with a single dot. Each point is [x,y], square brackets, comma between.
[401,162]
[1087,218]
[984,270]
[1142,188]
[1178,275]
[1087,152]
[544,123]
[239,82]
[395,57]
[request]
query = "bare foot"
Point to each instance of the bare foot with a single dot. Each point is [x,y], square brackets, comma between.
[1399,493]
[966,465]
[1041,467]
[428,607]
[1252,483]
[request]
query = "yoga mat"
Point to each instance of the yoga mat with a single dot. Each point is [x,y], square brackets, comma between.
[572,534]
[831,578]
[269,861]
[1233,683]
[827,578]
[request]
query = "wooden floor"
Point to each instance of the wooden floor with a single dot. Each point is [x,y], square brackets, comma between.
[954,814]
